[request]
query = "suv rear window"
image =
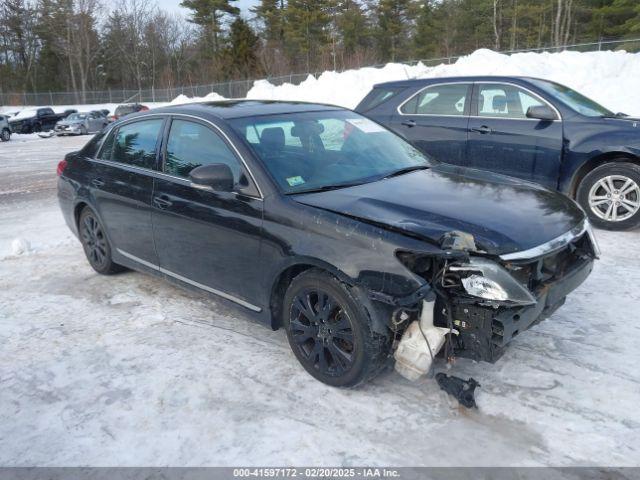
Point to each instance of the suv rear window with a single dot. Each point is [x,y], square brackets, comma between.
[377,96]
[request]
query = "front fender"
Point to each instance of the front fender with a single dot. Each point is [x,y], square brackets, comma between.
[359,253]
[578,163]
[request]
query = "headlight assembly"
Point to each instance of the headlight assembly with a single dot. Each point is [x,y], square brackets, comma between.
[488,280]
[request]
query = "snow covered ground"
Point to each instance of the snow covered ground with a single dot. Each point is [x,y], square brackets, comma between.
[129,370]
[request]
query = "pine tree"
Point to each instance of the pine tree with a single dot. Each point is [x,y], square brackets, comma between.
[394,26]
[270,14]
[240,55]
[209,14]
[306,30]
[352,25]
[425,40]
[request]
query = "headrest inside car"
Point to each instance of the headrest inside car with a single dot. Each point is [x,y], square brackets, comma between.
[306,129]
[272,138]
[499,102]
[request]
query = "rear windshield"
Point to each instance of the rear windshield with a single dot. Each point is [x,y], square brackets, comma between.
[378,96]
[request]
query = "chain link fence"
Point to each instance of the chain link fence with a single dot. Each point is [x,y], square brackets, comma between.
[240,88]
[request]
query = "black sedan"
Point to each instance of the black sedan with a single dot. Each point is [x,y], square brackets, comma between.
[321,221]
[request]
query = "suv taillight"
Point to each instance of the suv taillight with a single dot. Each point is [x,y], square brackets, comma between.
[61,166]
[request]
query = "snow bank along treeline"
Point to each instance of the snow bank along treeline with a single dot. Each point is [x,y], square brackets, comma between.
[610,78]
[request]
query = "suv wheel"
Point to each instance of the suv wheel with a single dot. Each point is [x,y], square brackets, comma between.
[95,244]
[6,135]
[330,332]
[610,194]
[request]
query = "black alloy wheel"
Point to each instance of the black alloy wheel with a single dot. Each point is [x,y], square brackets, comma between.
[5,136]
[330,330]
[322,332]
[95,244]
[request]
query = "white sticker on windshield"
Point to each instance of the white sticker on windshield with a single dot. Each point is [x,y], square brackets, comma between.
[365,125]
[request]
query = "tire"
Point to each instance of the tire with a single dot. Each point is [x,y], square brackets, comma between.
[83,130]
[610,194]
[37,128]
[335,345]
[95,244]
[5,136]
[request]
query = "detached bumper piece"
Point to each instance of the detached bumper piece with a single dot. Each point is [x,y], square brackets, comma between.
[462,390]
[485,331]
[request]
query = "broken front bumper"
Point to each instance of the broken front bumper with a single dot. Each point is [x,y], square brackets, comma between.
[485,331]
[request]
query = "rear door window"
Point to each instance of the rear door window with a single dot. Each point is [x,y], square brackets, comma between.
[134,144]
[447,100]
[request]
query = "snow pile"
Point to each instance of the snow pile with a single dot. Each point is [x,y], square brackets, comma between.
[183,99]
[610,78]
[20,246]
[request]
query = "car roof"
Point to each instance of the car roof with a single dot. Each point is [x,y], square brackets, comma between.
[427,81]
[227,109]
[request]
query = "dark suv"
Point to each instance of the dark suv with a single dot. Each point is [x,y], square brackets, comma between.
[524,127]
[319,220]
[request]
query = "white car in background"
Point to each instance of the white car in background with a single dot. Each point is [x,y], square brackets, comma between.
[5,129]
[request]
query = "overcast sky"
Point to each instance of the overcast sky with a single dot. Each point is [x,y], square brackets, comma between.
[174,6]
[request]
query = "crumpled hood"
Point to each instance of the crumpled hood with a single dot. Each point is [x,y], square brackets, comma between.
[503,214]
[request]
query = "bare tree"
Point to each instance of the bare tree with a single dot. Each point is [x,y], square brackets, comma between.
[135,15]
[21,42]
[561,30]
[497,23]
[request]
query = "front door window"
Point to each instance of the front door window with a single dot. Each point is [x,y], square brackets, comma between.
[505,101]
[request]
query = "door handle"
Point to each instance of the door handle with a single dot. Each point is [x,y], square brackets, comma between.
[162,202]
[97,182]
[483,129]
[409,123]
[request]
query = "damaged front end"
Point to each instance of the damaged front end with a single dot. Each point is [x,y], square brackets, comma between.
[474,304]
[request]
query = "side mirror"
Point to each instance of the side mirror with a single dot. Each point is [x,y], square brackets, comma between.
[542,112]
[217,176]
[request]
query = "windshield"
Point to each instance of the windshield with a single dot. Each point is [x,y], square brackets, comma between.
[320,150]
[77,116]
[573,99]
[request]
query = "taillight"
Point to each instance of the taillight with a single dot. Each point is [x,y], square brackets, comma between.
[61,166]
